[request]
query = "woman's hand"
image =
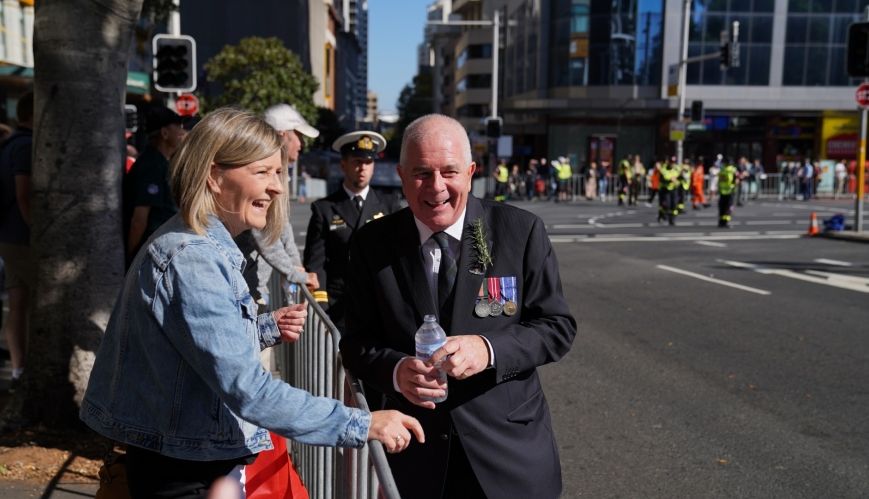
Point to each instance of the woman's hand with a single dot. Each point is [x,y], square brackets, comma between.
[393,429]
[291,321]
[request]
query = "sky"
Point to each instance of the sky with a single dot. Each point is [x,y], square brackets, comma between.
[395,29]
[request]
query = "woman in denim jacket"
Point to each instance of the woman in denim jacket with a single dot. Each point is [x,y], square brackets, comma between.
[177,376]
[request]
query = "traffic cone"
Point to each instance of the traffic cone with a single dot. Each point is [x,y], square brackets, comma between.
[813,225]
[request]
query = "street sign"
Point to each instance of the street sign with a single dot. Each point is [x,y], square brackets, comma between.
[673,80]
[863,95]
[187,105]
[677,130]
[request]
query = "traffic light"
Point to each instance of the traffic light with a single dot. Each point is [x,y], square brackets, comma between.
[697,111]
[131,118]
[493,127]
[858,49]
[729,53]
[174,63]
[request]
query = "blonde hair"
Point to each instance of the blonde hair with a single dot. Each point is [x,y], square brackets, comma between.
[227,137]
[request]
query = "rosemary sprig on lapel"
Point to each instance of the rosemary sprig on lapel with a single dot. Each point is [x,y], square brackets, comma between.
[481,247]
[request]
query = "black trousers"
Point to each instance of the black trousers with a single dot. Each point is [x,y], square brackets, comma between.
[461,482]
[153,475]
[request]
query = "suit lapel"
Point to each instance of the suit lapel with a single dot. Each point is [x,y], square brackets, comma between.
[467,283]
[412,267]
[344,206]
[369,208]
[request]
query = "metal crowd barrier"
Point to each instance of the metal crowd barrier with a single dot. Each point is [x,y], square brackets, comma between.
[314,364]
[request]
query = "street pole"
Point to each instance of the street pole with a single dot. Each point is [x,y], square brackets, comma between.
[861,167]
[496,23]
[858,208]
[174,28]
[683,74]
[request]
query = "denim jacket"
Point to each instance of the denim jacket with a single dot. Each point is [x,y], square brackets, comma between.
[178,370]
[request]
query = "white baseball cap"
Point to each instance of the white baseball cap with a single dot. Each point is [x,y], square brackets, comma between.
[285,117]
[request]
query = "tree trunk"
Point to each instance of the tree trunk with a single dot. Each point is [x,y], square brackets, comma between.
[81,49]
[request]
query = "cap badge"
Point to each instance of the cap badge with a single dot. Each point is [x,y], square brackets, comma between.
[365,144]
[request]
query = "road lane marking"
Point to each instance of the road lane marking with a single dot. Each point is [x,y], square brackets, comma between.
[711,243]
[853,279]
[770,222]
[714,280]
[837,281]
[572,226]
[627,238]
[827,261]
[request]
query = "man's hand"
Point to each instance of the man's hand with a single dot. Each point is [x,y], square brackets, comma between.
[416,379]
[462,356]
[313,282]
[291,321]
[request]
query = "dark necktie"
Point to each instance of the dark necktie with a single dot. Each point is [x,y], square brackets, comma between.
[447,271]
[357,200]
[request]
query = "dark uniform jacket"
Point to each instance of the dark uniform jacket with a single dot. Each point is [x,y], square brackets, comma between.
[334,220]
[500,414]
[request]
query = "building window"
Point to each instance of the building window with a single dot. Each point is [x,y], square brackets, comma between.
[815,42]
[712,17]
[473,81]
[475,51]
[606,43]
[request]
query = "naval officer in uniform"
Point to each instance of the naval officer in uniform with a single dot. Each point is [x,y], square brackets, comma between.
[336,218]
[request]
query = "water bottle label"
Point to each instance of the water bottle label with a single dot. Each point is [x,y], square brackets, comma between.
[424,352]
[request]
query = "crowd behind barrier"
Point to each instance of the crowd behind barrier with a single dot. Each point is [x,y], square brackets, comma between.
[769,186]
[314,364]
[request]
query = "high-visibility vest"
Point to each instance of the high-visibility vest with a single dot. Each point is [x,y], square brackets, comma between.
[727,180]
[625,169]
[564,171]
[503,174]
[669,176]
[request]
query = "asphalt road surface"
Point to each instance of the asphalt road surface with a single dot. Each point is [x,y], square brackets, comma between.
[709,362]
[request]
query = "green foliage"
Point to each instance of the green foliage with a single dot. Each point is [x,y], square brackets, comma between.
[329,126]
[414,101]
[258,73]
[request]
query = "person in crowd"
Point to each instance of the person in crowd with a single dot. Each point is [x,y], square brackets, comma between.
[840,177]
[603,175]
[544,172]
[668,191]
[530,179]
[516,182]
[177,377]
[591,182]
[698,198]
[502,180]
[759,175]
[654,179]
[456,256]
[625,177]
[744,184]
[337,217]
[563,175]
[637,180]
[261,255]
[728,187]
[147,202]
[15,223]
[807,179]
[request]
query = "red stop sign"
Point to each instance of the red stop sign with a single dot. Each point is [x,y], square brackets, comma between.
[863,95]
[188,104]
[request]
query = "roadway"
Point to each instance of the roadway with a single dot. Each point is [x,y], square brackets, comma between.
[709,362]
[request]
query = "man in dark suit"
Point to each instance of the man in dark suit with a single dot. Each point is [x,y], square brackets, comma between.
[488,271]
[336,218]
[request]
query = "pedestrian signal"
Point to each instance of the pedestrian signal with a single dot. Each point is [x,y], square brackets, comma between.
[493,127]
[697,111]
[858,49]
[174,63]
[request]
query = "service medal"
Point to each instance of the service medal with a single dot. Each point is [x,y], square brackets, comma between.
[481,309]
[495,309]
[510,308]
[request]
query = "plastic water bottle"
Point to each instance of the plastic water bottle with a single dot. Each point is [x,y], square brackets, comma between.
[429,337]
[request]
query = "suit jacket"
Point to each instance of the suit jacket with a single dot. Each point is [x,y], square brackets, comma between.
[334,220]
[500,414]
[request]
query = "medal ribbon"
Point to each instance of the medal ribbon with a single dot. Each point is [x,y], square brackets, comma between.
[495,288]
[483,293]
[509,285]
